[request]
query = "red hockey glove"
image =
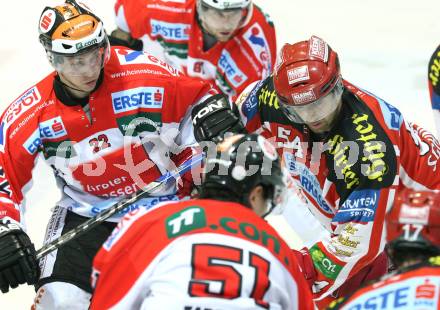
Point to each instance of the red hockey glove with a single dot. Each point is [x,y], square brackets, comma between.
[306,264]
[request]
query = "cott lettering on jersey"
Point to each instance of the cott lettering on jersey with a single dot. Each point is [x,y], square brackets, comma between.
[234,75]
[169,31]
[135,98]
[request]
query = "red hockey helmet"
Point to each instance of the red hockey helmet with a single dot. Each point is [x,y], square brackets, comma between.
[307,80]
[414,221]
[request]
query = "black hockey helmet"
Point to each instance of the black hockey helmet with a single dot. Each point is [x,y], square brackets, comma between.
[240,163]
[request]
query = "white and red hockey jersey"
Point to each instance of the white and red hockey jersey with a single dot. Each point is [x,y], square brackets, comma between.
[414,288]
[197,254]
[170,31]
[139,117]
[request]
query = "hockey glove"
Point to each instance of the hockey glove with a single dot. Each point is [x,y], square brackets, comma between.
[213,118]
[18,263]
[306,264]
[122,38]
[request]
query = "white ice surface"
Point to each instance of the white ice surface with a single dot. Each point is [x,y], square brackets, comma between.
[384,47]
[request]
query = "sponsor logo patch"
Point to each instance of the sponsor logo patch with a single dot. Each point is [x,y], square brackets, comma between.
[359,207]
[52,129]
[318,48]
[412,215]
[22,104]
[129,57]
[304,97]
[309,182]
[184,221]
[324,264]
[169,31]
[256,39]
[298,74]
[47,20]
[234,75]
[32,143]
[82,45]
[420,292]
[393,117]
[140,97]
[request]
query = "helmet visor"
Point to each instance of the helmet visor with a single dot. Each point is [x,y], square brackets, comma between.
[79,64]
[222,21]
[316,110]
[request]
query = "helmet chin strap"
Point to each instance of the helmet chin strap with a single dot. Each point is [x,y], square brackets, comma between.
[269,208]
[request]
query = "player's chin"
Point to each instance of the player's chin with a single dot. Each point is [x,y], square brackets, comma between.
[89,85]
[319,126]
[224,36]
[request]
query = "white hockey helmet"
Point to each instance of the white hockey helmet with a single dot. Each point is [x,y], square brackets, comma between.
[227,4]
[72,35]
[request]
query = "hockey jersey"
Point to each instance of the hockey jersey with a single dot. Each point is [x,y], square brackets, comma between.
[414,288]
[139,128]
[350,176]
[170,31]
[197,254]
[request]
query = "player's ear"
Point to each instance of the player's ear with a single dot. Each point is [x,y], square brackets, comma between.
[257,201]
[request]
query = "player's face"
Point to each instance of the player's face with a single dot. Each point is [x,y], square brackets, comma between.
[318,115]
[80,71]
[85,82]
[221,23]
[324,124]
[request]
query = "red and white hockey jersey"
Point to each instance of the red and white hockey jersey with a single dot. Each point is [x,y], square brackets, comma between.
[139,117]
[415,288]
[197,254]
[350,177]
[170,31]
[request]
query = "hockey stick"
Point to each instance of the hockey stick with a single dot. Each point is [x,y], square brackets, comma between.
[94,221]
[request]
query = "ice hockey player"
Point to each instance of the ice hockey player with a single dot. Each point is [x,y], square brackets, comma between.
[350,152]
[215,252]
[108,121]
[230,43]
[413,235]
[434,86]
